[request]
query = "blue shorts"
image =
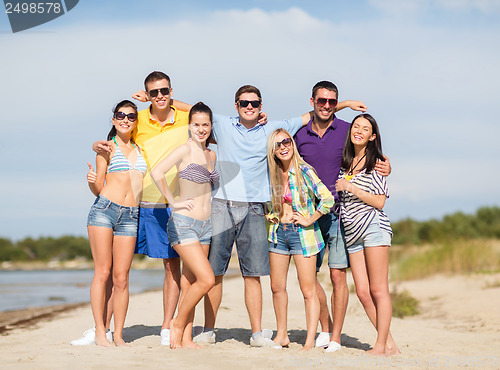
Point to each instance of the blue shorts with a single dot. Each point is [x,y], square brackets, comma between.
[373,236]
[242,224]
[152,239]
[288,240]
[332,232]
[122,220]
[185,229]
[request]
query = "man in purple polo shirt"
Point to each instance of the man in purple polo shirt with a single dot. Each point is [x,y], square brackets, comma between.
[321,143]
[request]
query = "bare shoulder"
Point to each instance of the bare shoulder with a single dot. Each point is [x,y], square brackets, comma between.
[212,154]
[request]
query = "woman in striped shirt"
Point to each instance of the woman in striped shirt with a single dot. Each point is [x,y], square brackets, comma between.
[298,200]
[367,229]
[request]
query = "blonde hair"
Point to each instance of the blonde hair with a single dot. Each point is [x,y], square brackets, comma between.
[276,171]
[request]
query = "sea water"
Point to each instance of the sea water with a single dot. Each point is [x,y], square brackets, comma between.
[23,289]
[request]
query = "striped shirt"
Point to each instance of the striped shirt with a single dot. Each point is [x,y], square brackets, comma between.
[312,188]
[355,214]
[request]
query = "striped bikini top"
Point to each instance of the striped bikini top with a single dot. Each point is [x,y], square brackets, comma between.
[119,162]
[199,174]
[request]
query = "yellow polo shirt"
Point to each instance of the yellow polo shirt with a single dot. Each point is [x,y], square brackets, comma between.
[156,142]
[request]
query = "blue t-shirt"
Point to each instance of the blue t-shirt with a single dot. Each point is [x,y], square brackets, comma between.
[242,157]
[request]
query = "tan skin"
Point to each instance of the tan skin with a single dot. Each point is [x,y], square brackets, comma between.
[194,201]
[322,119]
[306,266]
[249,117]
[370,267]
[113,254]
[162,112]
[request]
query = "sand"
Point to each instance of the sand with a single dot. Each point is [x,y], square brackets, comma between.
[459,326]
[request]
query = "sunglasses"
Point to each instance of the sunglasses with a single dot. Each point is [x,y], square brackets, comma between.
[287,143]
[244,103]
[120,116]
[323,101]
[164,91]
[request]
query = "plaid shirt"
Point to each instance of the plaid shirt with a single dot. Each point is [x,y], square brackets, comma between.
[310,237]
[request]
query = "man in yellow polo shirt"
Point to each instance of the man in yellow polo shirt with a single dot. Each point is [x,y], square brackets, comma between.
[160,129]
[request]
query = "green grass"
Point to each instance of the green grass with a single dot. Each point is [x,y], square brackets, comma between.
[403,304]
[457,257]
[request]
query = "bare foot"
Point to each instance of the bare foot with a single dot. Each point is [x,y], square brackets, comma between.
[283,341]
[307,347]
[101,340]
[120,342]
[175,335]
[377,352]
[392,351]
[190,344]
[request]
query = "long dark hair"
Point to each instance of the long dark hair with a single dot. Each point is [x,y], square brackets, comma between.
[373,148]
[123,103]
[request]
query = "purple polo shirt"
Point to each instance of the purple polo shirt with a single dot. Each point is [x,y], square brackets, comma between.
[325,153]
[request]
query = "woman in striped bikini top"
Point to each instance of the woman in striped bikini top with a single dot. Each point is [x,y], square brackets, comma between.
[189,228]
[119,177]
[114,217]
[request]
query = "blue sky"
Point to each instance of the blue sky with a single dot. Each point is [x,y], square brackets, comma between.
[427,69]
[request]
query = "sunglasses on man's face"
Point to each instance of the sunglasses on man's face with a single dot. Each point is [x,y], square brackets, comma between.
[323,101]
[120,116]
[244,103]
[164,91]
[287,143]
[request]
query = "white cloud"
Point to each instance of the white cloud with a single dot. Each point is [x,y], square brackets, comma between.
[428,86]
[412,8]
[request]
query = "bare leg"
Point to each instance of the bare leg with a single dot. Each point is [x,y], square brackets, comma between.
[101,241]
[187,279]
[195,258]
[108,307]
[362,282]
[324,315]
[212,302]
[377,259]
[340,297]
[253,301]
[123,251]
[306,273]
[279,270]
[171,289]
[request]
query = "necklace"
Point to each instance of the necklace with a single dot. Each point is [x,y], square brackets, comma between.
[352,169]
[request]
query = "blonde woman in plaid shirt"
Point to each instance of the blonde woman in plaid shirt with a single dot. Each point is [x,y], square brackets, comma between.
[295,190]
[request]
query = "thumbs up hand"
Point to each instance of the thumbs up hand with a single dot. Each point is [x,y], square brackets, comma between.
[91,175]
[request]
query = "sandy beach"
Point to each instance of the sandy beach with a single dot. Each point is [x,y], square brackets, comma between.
[458,326]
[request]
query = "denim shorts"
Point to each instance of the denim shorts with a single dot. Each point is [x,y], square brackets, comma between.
[123,220]
[333,234]
[152,239]
[288,240]
[373,236]
[184,229]
[242,224]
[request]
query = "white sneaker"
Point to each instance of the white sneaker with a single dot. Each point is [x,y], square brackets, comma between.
[165,337]
[203,337]
[333,346]
[323,339]
[267,333]
[263,341]
[89,338]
